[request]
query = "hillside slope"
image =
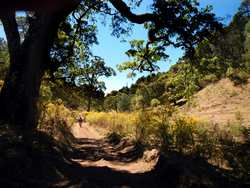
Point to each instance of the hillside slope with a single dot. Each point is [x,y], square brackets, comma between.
[222,103]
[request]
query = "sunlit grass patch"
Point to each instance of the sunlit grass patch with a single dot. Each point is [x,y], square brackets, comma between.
[121,123]
[56,120]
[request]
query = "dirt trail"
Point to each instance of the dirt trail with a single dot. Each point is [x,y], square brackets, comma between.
[97,162]
[93,150]
[87,131]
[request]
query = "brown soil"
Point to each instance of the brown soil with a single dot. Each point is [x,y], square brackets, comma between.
[93,150]
[221,103]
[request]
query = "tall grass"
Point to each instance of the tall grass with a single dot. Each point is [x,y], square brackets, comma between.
[120,123]
[56,120]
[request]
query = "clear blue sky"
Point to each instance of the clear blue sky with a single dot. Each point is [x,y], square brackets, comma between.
[112,50]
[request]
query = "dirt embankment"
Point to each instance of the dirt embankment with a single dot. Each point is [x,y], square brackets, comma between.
[222,103]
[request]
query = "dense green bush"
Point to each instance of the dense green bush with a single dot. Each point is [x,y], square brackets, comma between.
[183,134]
[155,103]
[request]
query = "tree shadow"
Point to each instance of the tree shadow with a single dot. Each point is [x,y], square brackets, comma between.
[41,163]
[172,171]
[94,150]
[237,155]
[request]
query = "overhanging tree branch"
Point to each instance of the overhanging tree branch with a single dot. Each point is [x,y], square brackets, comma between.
[126,12]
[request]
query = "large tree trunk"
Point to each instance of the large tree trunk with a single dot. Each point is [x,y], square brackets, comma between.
[20,92]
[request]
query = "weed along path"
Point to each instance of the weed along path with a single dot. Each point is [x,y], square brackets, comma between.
[93,150]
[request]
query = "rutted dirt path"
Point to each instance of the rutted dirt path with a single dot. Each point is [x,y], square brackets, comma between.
[99,163]
[87,131]
[96,162]
[93,150]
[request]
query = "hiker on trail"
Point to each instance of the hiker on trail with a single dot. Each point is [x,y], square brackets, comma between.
[81,120]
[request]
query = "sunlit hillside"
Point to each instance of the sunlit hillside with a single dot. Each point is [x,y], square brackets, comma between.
[222,103]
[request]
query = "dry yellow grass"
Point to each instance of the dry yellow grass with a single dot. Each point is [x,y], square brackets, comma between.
[221,103]
[121,123]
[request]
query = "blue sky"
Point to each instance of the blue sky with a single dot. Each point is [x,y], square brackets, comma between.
[112,50]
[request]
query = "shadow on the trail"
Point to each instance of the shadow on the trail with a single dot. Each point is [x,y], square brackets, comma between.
[94,150]
[172,171]
[40,163]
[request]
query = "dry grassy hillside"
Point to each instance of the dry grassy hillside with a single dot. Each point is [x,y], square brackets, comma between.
[222,103]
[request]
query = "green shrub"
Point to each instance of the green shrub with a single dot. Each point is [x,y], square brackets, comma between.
[142,131]
[155,103]
[123,103]
[183,133]
[45,93]
[237,76]
[205,145]
[160,116]
[207,79]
